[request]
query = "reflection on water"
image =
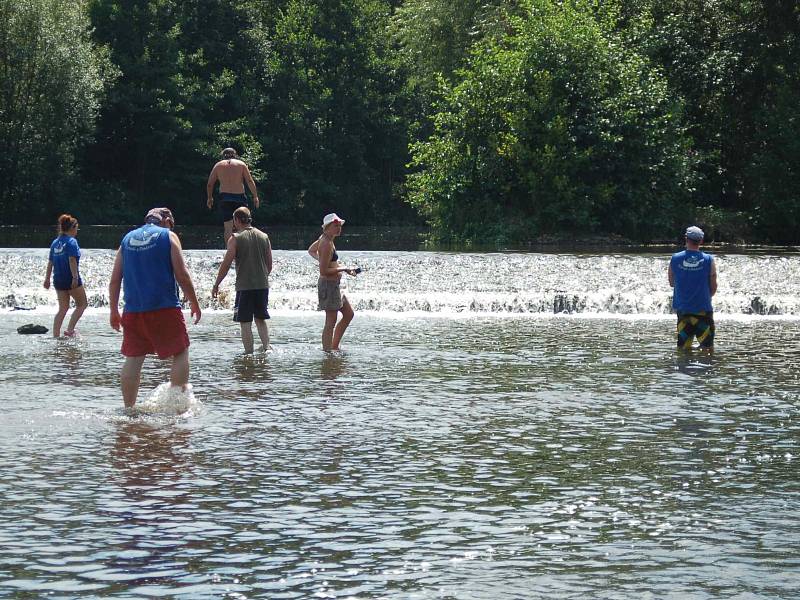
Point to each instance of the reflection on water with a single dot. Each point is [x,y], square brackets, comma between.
[332,366]
[490,458]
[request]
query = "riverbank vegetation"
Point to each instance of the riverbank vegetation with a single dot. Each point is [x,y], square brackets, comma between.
[497,120]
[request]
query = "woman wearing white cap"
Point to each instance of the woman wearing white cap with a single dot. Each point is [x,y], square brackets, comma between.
[329,294]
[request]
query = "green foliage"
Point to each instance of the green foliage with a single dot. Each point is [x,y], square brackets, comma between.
[493,119]
[331,136]
[735,65]
[51,82]
[555,127]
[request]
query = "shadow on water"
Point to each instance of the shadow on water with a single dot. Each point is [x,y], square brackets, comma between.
[693,362]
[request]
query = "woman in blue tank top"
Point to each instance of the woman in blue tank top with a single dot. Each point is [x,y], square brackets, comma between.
[62,264]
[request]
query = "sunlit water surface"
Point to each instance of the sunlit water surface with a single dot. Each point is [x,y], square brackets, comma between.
[441,455]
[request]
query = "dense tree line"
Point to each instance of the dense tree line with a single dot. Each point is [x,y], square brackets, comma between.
[488,119]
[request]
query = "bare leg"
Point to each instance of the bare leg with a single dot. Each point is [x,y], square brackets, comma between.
[263,333]
[179,375]
[131,372]
[341,326]
[228,230]
[327,331]
[79,295]
[63,307]
[247,337]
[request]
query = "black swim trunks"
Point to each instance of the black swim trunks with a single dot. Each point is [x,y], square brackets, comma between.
[700,326]
[249,304]
[229,203]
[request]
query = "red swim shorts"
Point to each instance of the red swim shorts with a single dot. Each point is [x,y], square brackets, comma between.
[161,332]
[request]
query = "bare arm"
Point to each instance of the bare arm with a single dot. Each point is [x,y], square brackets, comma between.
[313,250]
[671,276]
[114,286]
[252,185]
[48,274]
[212,181]
[182,275]
[269,257]
[73,267]
[230,254]
[712,277]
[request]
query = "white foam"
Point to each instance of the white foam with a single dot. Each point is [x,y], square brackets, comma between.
[167,399]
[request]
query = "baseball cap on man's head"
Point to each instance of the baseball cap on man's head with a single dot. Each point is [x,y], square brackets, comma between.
[160,216]
[695,234]
[331,218]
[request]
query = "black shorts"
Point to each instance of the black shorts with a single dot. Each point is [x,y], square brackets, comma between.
[249,304]
[66,285]
[229,203]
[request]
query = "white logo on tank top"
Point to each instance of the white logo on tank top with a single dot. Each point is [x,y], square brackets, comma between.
[147,239]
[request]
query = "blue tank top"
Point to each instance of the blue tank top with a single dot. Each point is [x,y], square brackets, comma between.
[691,270]
[147,277]
[61,249]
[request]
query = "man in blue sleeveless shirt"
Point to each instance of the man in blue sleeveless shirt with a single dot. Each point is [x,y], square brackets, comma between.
[693,274]
[150,266]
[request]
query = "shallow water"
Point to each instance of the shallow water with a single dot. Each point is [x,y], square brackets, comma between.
[479,457]
[457,449]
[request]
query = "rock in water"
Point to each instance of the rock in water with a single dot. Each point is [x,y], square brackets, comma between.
[31,328]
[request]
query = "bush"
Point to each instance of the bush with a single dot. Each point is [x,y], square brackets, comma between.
[555,126]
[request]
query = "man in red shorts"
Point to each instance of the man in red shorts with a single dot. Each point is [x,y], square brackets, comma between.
[150,266]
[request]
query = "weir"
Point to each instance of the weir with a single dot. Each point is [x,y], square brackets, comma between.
[454,283]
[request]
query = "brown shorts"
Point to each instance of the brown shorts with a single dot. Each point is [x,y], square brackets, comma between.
[329,294]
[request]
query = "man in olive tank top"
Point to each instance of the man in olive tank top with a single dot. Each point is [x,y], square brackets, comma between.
[252,251]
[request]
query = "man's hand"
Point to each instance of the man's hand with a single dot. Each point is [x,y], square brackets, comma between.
[115,320]
[195,311]
[47,283]
[74,283]
[210,202]
[256,201]
[215,291]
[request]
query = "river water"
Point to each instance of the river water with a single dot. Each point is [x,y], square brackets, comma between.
[499,426]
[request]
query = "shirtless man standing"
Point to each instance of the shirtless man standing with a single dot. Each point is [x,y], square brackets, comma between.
[232,174]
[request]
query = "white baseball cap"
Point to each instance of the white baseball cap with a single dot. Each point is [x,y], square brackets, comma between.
[330,218]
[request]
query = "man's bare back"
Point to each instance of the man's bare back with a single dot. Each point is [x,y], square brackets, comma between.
[232,175]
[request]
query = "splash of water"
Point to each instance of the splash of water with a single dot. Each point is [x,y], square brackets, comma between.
[167,399]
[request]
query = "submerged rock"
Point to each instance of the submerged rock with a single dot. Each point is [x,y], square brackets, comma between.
[31,328]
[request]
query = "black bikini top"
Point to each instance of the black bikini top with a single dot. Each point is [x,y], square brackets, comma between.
[334,257]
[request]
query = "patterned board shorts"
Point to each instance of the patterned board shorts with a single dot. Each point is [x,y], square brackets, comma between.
[700,326]
[329,294]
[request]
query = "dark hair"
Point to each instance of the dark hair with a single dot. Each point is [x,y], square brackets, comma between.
[65,223]
[229,153]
